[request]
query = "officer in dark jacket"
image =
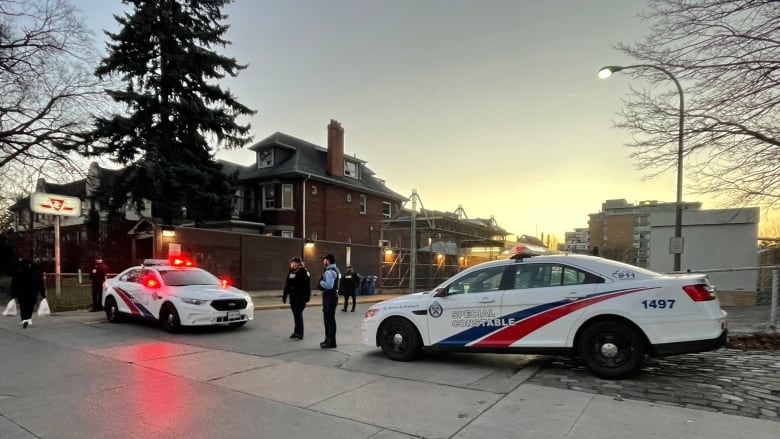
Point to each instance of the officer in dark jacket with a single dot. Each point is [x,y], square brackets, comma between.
[98,276]
[348,286]
[298,289]
[329,284]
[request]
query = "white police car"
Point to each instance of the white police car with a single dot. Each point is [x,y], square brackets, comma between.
[607,313]
[176,294]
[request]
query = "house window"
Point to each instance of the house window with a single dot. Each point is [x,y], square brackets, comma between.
[363,204]
[351,169]
[265,158]
[313,236]
[269,199]
[287,196]
[387,210]
[237,202]
[349,198]
[287,234]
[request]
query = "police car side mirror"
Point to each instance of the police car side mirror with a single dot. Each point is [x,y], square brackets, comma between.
[441,292]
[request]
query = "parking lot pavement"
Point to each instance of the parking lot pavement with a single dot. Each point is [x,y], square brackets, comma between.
[69,375]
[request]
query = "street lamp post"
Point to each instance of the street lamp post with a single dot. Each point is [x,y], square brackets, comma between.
[676,243]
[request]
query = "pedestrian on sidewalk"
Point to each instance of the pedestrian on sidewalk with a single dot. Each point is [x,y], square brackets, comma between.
[98,276]
[298,289]
[329,285]
[348,287]
[26,284]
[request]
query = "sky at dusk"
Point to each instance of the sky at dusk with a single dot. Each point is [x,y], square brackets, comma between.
[491,105]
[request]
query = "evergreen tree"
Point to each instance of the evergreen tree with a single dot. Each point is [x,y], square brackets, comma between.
[163,55]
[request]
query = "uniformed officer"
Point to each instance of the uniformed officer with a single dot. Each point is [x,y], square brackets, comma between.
[329,284]
[348,287]
[298,289]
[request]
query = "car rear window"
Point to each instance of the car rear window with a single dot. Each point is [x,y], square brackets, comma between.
[180,278]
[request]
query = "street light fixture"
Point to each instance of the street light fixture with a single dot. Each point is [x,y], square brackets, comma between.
[676,243]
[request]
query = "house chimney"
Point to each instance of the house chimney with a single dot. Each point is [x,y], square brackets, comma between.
[335,149]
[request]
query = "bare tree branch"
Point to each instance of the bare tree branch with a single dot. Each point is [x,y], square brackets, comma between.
[726,55]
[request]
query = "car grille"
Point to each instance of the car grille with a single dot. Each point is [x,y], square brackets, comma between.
[228,304]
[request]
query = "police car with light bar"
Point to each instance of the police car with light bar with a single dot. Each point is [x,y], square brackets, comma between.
[175,293]
[609,314]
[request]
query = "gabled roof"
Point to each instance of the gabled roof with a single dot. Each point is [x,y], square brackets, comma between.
[308,160]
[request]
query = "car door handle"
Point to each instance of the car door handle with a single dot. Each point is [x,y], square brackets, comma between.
[574,296]
[487,300]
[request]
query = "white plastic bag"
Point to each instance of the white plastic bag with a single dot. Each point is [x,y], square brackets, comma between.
[43,308]
[10,309]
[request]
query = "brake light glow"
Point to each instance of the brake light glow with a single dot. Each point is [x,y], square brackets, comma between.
[700,292]
[181,262]
[150,282]
[226,282]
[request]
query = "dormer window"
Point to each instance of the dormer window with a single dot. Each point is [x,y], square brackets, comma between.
[265,158]
[351,170]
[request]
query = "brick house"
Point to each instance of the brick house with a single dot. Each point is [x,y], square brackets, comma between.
[301,190]
[295,190]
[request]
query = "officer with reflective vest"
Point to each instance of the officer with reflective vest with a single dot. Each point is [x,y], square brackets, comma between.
[329,285]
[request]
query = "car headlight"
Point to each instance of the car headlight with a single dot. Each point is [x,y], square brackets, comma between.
[248,299]
[192,301]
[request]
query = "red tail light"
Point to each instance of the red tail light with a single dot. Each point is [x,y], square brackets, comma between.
[226,282]
[700,292]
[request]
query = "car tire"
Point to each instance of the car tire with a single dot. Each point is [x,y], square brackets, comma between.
[238,324]
[611,349]
[399,339]
[112,310]
[169,319]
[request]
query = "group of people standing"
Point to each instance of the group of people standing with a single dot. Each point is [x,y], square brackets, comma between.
[331,283]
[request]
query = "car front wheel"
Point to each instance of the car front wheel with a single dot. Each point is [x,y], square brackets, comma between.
[399,339]
[112,310]
[611,350]
[169,319]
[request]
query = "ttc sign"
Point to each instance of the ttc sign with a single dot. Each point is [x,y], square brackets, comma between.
[52,204]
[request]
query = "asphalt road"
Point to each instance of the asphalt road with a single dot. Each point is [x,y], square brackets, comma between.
[74,375]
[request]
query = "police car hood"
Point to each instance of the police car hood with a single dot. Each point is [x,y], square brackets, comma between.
[209,292]
[407,298]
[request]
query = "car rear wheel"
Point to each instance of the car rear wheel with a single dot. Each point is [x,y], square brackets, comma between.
[611,350]
[399,339]
[169,319]
[112,310]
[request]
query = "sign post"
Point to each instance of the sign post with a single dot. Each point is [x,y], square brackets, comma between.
[57,205]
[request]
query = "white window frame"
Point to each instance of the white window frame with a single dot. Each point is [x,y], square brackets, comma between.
[267,199]
[351,169]
[265,158]
[387,214]
[287,234]
[363,204]
[287,196]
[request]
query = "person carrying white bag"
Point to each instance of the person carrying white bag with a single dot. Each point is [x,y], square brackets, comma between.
[26,284]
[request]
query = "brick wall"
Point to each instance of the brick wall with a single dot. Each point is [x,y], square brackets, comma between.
[261,262]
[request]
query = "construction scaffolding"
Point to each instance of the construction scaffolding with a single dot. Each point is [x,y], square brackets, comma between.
[424,247]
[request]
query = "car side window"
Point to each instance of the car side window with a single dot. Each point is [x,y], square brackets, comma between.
[551,275]
[130,276]
[488,279]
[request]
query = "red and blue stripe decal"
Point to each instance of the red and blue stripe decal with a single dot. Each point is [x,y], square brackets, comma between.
[136,308]
[527,321]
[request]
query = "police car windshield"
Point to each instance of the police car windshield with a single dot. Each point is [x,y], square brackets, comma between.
[181,278]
